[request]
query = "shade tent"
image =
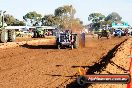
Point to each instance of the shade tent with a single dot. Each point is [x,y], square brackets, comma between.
[120,26]
[47,27]
[29,27]
[18,27]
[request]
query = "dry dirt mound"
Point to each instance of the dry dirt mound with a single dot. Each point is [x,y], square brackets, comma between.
[119,64]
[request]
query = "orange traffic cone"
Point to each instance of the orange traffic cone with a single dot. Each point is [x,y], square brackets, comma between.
[82,71]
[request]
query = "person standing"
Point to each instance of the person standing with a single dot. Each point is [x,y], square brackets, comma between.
[83,39]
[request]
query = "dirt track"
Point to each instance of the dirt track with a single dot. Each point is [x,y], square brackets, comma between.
[19,39]
[118,64]
[43,66]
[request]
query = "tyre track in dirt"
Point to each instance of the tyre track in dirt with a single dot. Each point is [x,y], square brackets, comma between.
[119,64]
[28,59]
[15,54]
[64,83]
[30,62]
[97,67]
[49,68]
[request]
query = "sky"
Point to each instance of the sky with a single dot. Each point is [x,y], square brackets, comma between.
[18,8]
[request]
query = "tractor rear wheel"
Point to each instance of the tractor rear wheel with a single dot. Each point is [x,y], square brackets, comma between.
[38,35]
[11,35]
[4,36]
[76,44]
[58,46]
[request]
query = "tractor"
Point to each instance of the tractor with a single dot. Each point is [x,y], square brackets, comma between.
[104,33]
[38,32]
[6,35]
[67,39]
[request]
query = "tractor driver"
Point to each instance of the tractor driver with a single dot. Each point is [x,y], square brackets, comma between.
[107,30]
[100,30]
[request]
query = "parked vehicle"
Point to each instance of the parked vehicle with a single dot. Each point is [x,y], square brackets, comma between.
[6,35]
[38,32]
[118,32]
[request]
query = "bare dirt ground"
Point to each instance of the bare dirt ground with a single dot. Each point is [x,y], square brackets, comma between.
[119,64]
[19,39]
[28,40]
[44,66]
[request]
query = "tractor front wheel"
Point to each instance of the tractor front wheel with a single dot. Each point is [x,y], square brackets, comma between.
[75,45]
[99,36]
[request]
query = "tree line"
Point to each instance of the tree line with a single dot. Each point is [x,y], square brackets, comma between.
[63,17]
[99,19]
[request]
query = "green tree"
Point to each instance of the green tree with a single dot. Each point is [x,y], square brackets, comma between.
[109,22]
[65,10]
[33,16]
[18,23]
[12,21]
[49,20]
[21,23]
[97,19]
[9,19]
[64,16]
[113,17]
